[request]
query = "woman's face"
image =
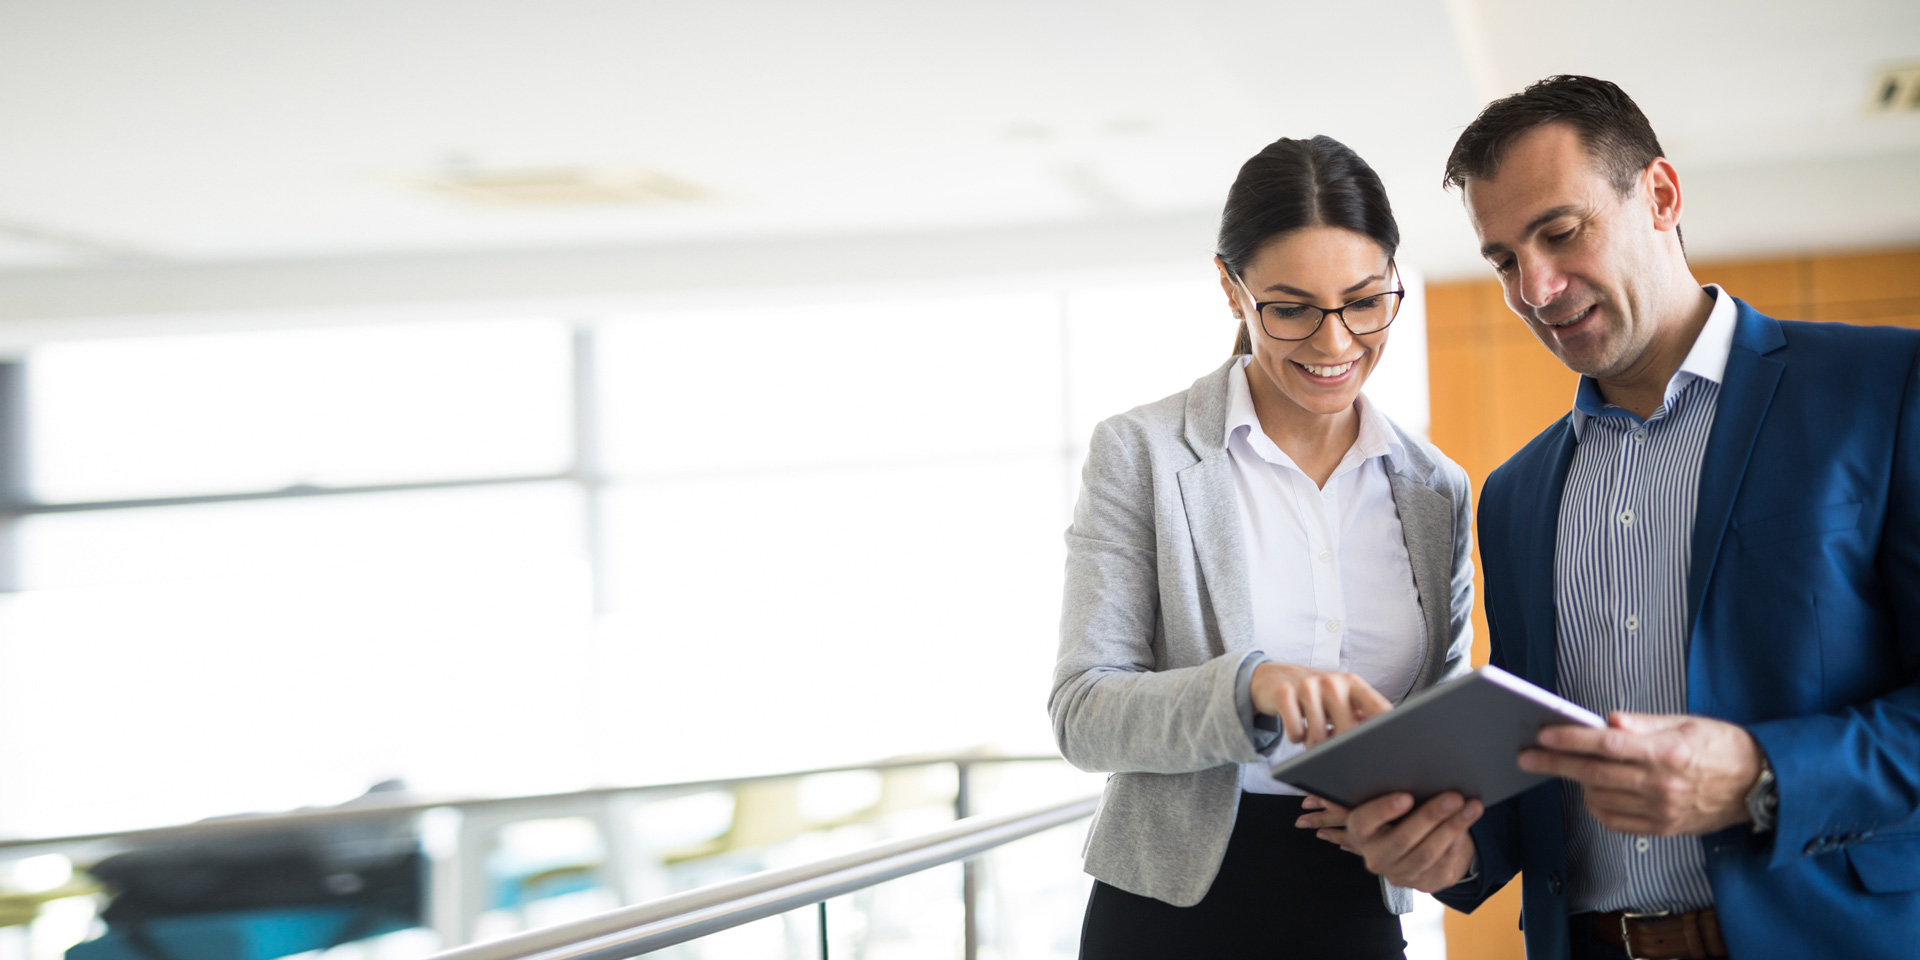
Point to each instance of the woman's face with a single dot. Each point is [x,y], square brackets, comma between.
[1327,267]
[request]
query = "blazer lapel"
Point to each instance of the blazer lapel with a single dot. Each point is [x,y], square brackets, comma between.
[1746,392]
[1213,511]
[1213,520]
[1426,522]
[1537,517]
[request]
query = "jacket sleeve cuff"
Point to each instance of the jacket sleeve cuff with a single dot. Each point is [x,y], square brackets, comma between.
[1262,731]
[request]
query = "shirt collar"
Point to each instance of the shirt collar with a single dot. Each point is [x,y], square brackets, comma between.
[1707,360]
[1377,437]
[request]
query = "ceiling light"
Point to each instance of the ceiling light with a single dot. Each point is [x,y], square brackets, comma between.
[1896,90]
[563,187]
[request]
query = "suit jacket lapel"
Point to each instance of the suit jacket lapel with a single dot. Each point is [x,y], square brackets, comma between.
[1213,520]
[1538,517]
[1426,522]
[1213,511]
[1746,391]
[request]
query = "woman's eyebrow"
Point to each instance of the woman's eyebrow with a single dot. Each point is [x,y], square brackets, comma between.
[1356,288]
[1296,291]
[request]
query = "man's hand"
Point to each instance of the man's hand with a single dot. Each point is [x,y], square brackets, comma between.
[1313,705]
[1327,819]
[1654,774]
[1427,849]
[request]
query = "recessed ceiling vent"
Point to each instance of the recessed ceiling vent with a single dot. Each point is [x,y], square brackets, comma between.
[563,187]
[1896,90]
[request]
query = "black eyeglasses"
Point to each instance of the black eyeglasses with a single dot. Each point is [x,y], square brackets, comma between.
[1288,320]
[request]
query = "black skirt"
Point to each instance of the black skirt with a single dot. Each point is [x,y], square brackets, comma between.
[1281,892]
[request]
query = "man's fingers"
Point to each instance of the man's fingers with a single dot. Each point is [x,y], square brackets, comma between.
[1611,743]
[1333,816]
[1369,818]
[1644,722]
[1588,771]
[1448,824]
[1629,802]
[1391,842]
[1568,738]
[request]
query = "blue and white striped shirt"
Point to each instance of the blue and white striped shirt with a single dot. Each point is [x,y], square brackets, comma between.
[1620,595]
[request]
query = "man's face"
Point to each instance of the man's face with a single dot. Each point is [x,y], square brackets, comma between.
[1576,260]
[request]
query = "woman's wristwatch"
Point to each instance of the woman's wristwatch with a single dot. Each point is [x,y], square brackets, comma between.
[1763,798]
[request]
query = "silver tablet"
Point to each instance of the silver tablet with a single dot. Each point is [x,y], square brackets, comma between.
[1461,735]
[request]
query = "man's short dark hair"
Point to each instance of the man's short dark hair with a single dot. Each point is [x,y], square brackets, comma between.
[1610,125]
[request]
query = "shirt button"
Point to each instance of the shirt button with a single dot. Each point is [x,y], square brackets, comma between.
[1328,493]
[1326,556]
[1626,517]
[1640,436]
[1333,626]
[1633,621]
[1641,845]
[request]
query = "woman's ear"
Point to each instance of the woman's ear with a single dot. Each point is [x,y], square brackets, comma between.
[1228,287]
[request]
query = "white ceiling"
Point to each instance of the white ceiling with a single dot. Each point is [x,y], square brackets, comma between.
[208,132]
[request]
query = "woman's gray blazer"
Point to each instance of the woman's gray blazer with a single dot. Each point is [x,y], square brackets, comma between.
[1157,625]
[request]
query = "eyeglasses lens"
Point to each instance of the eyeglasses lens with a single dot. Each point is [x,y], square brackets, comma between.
[1298,321]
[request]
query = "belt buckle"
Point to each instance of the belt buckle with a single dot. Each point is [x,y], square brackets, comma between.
[1626,937]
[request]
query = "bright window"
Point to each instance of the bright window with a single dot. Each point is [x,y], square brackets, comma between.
[803,532]
[157,417]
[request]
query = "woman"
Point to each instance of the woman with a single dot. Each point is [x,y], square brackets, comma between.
[1254,564]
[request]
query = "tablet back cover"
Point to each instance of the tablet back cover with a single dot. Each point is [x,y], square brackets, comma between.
[1462,735]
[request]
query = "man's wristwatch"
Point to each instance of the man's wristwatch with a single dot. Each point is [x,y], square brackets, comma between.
[1763,798]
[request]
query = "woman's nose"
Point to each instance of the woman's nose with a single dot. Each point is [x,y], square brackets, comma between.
[1333,338]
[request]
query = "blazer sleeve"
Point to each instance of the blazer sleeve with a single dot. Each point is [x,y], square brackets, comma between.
[1460,610]
[1842,775]
[1496,837]
[1111,709]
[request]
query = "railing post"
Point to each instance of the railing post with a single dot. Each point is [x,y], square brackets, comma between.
[823,930]
[969,869]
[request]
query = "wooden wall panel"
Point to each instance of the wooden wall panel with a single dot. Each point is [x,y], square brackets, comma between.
[1494,387]
[1870,288]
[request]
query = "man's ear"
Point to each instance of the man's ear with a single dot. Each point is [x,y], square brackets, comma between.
[1660,186]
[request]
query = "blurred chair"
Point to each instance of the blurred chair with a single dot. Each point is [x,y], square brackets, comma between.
[236,935]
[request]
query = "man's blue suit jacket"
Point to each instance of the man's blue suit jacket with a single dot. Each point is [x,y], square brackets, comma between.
[1804,594]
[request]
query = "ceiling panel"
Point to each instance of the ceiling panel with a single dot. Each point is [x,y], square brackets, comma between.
[223,130]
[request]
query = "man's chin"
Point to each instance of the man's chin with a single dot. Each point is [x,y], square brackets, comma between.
[1585,359]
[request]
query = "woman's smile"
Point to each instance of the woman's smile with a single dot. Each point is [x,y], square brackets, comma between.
[1327,374]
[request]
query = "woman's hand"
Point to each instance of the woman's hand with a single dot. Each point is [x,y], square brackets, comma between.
[1327,819]
[1313,705]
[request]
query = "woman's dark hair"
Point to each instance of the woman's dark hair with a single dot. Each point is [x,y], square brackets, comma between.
[1301,183]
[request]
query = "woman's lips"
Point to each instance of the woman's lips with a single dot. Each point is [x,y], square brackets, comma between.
[1326,372]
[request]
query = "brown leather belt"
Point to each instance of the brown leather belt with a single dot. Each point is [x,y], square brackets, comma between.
[1694,935]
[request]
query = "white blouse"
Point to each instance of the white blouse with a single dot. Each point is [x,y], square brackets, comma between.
[1328,569]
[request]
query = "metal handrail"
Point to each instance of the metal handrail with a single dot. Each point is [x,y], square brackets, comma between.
[378,809]
[642,928]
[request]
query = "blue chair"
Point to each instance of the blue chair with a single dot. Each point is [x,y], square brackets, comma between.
[238,935]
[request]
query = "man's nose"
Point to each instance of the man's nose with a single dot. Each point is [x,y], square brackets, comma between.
[1539,282]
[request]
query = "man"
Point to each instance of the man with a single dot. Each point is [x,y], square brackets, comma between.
[1719,549]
